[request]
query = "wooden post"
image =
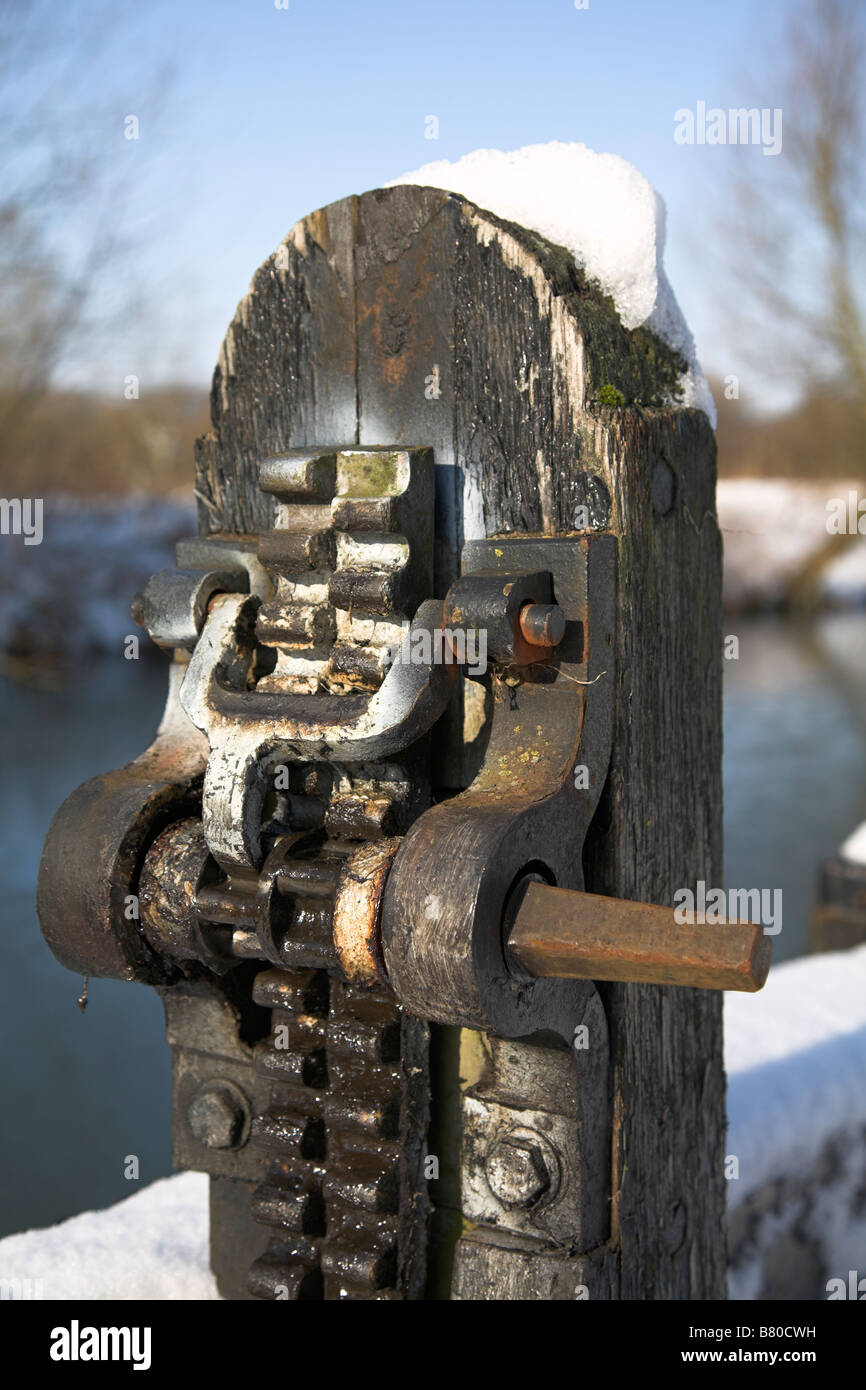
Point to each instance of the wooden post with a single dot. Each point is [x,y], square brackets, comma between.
[408,316]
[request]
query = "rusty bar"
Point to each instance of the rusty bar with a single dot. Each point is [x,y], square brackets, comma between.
[561,934]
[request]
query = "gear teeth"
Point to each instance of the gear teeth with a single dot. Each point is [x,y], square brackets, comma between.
[368,1184]
[344,1070]
[364,514]
[333,1065]
[364,667]
[354,1270]
[292,552]
[300,474]
[298,624]
[309,940]
[377,1119]
[377,593]
[303,993]
[310,878]
[343,550]
[371,1042]
[292,1130]
[367,818]
[291,1133]
[283,1272]
[362,1187]
[293,1200]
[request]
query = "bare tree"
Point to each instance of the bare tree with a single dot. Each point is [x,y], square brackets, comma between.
[63,195]
[791,229]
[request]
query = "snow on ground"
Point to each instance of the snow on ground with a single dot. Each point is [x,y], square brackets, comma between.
[601,209]
[771,528]
[796,1060]
[854,848]
[153,1245]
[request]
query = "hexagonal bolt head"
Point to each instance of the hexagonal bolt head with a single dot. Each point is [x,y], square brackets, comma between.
[522,1169]
[217,1116]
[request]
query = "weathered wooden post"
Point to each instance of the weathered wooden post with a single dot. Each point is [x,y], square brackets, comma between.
[385,327]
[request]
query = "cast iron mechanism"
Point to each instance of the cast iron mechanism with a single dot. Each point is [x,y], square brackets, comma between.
[274,866]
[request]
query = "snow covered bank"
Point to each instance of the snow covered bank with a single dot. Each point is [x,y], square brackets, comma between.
[70,595]
[796,1059]
[773,528]
[153,1245]
[601,209]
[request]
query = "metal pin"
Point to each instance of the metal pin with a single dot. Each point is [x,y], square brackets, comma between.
[567,935]
[542,624]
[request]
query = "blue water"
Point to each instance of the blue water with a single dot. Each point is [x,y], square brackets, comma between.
[795,757]
[81,1092]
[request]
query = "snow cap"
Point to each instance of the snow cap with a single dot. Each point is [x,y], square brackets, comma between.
[601,209]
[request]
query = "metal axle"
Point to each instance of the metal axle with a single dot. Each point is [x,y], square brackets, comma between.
[582,936]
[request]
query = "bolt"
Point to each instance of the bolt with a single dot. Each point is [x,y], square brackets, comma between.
[542,624]
[522,1168]
[217,1116]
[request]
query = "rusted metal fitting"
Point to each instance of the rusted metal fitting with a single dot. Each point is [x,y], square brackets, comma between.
[542,624]
[218,1116]
[582,936]
[89,875]
[174,605]
[497,602]
[177,864]
[522,1168]
[358,911]
[442,918]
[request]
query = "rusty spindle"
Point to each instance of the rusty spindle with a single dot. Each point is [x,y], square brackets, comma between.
[562,934]
[542,624]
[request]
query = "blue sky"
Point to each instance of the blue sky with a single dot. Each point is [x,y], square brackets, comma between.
[271,113]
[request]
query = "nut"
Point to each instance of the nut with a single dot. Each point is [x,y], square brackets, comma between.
[522,1169]
[218,1116]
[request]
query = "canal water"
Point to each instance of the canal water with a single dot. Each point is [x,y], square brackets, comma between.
[84,1093]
